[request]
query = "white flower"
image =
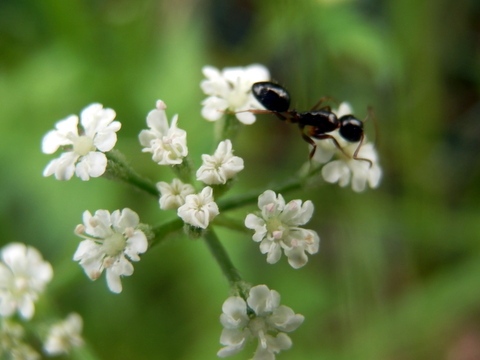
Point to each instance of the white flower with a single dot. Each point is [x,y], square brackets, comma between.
[360,172]
[277,228]
[168,145]
[12,346]
[261,317]
[64,335]
[111,241]
[23,276]
[199,209]
[84,146]
[220,167]
[230,90]
[173,195]
[345,168]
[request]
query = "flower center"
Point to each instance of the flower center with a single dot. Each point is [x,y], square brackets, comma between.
[276,228]
[258,327]
[114,244]
[83,145]
[237,96]
[21,284]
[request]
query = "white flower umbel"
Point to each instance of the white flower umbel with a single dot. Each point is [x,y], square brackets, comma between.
[277,228]
[64,335]
[111,241]
[230,89]
[261,317]
[173,195]
[345,169]
[84,145]
[168,144]
[12,345]
[199,209]
[222,165]
[23,277]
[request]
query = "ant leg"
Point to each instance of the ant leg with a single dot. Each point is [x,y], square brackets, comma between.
[371,115]
[253,111]
[327,136]
[311,142]
[321,101]
[355,154]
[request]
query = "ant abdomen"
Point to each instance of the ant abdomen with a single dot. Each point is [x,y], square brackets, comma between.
[272,96]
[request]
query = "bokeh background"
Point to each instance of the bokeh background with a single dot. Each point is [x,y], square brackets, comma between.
[398,274]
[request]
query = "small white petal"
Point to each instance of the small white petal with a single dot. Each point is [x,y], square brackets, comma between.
[263,300]
[106,140]
[235,341]
[137,244]
[234,314]
[127,218]
[285,319]
[65,130]
[213,108]
[63,167]
[93,164]
[113,281]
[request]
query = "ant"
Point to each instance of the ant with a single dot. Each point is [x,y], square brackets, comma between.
[316,123]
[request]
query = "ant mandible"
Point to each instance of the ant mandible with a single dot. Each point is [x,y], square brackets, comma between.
[314,123]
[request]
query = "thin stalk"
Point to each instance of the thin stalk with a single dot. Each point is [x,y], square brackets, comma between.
[118,169]
[223,260]
[163,230]
[251,197]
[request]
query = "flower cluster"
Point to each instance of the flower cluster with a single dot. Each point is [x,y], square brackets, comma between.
[199,209]
[277,228]
[173,195]
[220,167]
[112,241]
[168,144]
[230,89]
[23,278]
[12,344]
[259,317]
[85,146]
[64,335]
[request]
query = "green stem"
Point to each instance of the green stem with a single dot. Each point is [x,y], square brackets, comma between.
[119,169]
[227,127]
[84,352]
[232,224]
[251,197]
[163,230]
[184,171]
[219,253]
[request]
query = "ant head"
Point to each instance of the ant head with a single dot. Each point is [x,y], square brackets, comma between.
[351,129]
[272,96]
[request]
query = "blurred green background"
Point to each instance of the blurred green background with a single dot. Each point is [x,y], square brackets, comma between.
[398,274]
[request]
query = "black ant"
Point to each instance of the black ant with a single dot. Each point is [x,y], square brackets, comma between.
[314,123]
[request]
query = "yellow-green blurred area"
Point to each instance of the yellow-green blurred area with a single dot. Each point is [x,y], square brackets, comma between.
[398,273]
